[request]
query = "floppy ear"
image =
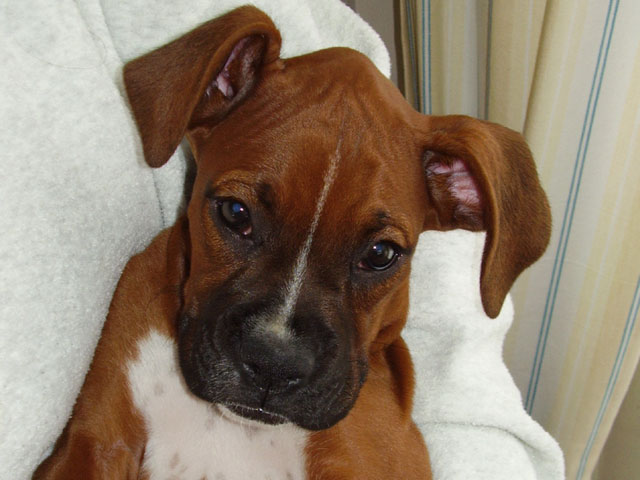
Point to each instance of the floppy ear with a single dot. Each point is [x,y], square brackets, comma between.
[198,78]
[481,176]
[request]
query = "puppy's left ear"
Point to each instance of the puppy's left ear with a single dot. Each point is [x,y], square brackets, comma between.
[481,176]
[199,78]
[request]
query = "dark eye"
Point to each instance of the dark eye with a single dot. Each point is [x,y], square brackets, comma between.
[235,216]
[380,256]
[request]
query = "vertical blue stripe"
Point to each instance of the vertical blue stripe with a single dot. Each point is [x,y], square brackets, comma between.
[487,80]
[613,377]
[430,111]
[570,208]
[412,54]
[423,108]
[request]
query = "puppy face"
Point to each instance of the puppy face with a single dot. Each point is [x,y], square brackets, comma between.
[314,180]
[302,227]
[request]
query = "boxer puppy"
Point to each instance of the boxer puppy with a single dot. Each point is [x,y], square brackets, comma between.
[259,337]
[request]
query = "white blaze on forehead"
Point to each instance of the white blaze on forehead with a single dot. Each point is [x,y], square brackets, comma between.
[279,325]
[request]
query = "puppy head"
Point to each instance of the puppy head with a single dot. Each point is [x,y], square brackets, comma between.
[315,179]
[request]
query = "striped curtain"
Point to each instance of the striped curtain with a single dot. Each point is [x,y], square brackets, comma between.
[566,73]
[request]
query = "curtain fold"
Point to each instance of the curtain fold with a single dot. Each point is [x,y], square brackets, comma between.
[566,73]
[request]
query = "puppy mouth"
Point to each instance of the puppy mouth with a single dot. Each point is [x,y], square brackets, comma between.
[211,372]
[259,414]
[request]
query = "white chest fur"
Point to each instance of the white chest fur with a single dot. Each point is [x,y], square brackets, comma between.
[191,439]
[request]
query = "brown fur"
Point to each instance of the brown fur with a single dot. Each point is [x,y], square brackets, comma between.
[299,108]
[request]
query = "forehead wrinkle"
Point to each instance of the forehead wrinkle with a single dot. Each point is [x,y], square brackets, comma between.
[382,220]
[265,194]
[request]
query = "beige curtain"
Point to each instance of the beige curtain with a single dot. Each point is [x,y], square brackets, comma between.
[566,73]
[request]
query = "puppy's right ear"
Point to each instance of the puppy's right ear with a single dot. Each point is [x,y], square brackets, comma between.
[199,78]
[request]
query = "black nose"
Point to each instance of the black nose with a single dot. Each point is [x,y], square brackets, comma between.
[276,363]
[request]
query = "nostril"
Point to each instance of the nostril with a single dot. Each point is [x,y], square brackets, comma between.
[253,371]
[267,362]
